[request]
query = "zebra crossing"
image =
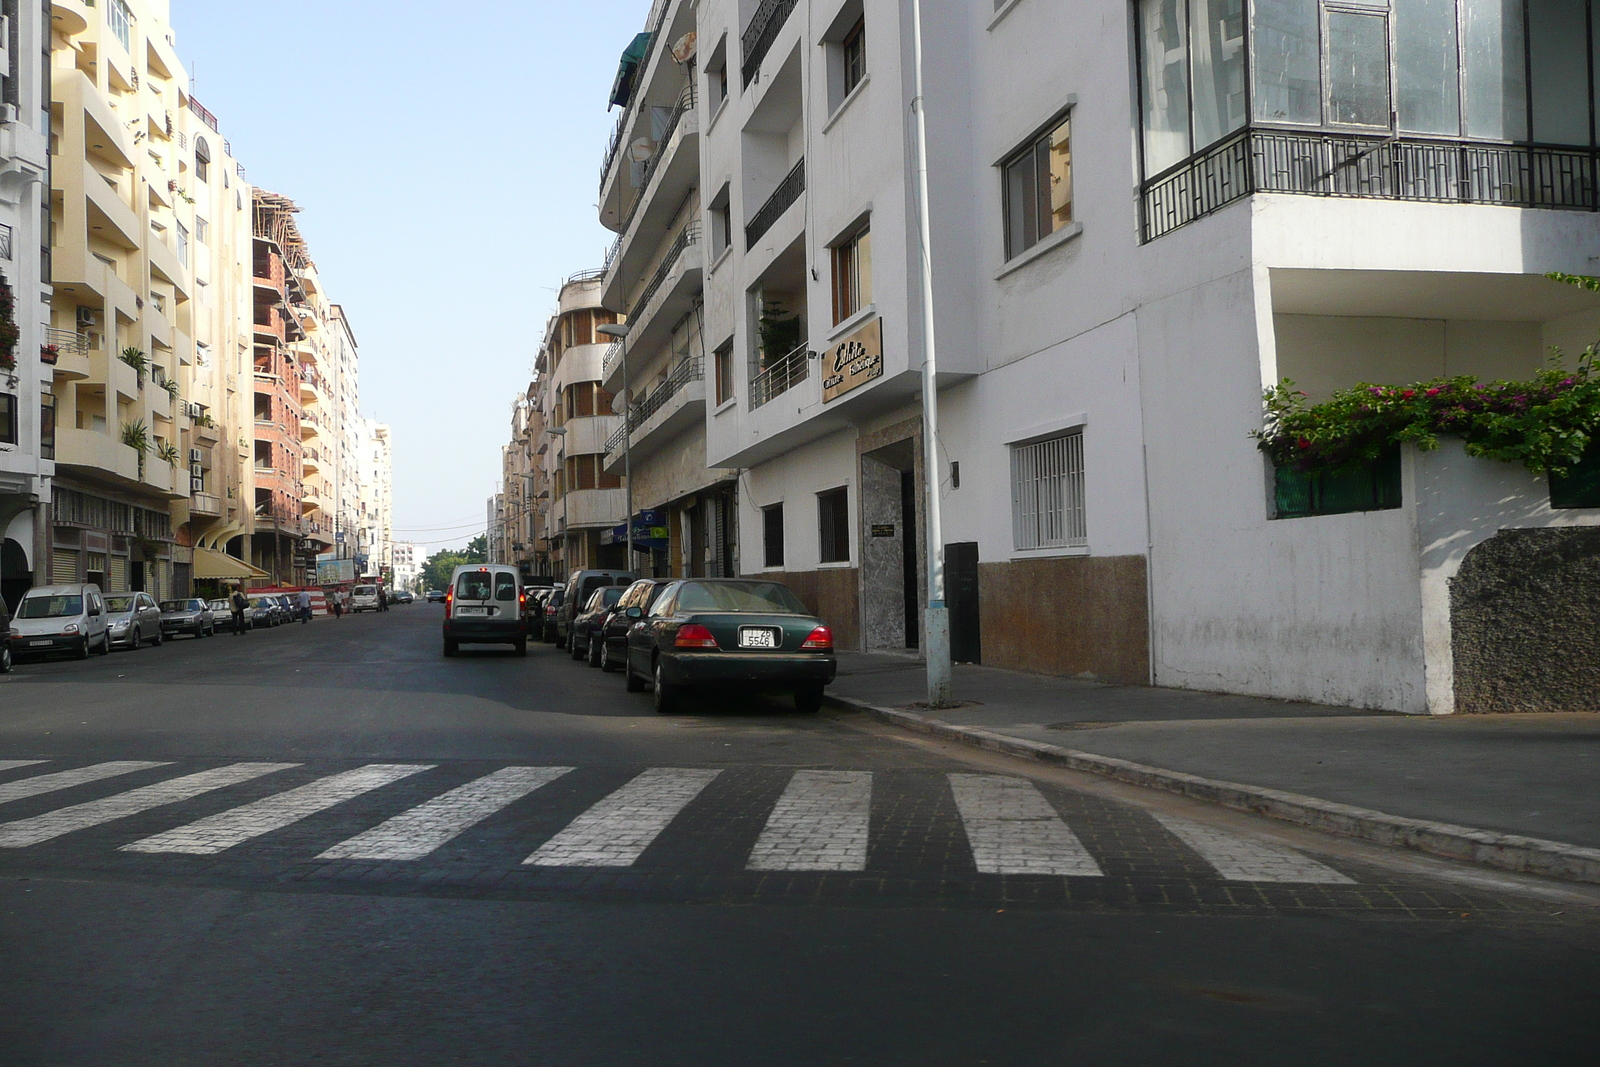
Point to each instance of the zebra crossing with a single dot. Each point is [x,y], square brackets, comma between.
[820,821]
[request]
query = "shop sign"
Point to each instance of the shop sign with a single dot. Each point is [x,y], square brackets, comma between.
[853,362]
[883,529]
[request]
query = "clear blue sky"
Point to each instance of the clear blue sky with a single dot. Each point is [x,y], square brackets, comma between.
[445,160]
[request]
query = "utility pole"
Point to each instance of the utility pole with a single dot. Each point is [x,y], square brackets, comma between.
[620,332]
[936,628]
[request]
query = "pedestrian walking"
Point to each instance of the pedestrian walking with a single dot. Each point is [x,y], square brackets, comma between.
[240,605]
[305,606]
[336,603]
[383,599]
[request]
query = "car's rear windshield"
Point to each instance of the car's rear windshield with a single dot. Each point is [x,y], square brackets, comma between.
[50,607]
[607,597]
[473,585]
[119,603]
[365,590]
[739,596]
[181,605]
[505,586]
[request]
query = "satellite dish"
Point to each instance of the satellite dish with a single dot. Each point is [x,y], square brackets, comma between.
[619,404]
[641,150]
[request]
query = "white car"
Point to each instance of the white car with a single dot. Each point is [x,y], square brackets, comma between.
[61,618]
[364,598]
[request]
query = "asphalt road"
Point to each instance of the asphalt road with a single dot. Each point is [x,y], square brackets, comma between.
[328,844]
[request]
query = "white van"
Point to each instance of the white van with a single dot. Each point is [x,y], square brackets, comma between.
[364,598]
[483,606]
[61,618]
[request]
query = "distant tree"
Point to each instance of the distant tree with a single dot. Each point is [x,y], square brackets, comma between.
[478,549]
[441,565]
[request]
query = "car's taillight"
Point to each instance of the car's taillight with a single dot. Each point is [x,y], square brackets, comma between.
[449,601]
[693,635]
[821,640]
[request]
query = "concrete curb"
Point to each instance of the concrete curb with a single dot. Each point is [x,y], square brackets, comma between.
[1508,852]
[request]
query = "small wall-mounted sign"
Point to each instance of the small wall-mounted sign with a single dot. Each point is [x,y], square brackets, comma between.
[883,529]
[854,361]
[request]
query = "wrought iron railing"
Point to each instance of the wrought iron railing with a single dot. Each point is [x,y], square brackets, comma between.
[787,192]
[690,235]
[759,35]
[780,376]
[685,372]
[658,14]
[613,350]
[685,103]
[1386,168]
[205,116]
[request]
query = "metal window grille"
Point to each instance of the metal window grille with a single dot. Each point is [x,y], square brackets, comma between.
[1047,494]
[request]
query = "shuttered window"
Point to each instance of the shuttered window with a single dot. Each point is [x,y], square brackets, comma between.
[118,575]
[1047,493]
[64,566]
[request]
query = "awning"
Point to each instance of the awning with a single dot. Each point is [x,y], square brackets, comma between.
[209,563]
[632,56]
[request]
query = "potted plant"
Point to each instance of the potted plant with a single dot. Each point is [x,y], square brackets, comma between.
[171,388]
[48,353]
[136,359]
[169,452]
[136,437]
[9,331]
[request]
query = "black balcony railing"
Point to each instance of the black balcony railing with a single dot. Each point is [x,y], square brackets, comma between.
[681,375]
[658,14]
[787,192]
[689,236]
[686,103]
[1385,168]
[759,35]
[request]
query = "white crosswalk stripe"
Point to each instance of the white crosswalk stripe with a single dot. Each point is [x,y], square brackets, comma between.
[49,783]
[820,823]
[617,830]
[53,824]
[415,833]
[13,764]
[1013,829]
[237,825]
[1240,859]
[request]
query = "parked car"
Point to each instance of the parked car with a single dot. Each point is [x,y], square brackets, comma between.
[729,632]
[61,618]
[484,607]
[586,639]
[291,606]
[580,587]
[132,619]
[404,597]
[5,638]
[263,614]
[364,598]
[192,616]
[614,634]
[222,615]
[436,596]
[552,604]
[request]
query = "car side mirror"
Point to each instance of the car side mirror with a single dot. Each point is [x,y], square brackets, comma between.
[635,613]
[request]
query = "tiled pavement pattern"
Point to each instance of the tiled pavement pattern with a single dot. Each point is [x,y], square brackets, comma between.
[739,833]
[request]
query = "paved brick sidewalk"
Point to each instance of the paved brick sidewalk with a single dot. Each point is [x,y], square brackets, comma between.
[1535,775]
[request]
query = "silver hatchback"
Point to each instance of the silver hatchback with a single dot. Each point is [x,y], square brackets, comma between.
[61,618]
[192,616]
[133,619]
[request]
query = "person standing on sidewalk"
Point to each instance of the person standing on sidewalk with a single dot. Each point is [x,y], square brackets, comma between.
[240,605]
[383,599]
[335,603]
[305,606]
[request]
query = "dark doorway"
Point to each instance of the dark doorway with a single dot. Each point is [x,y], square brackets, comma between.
[908,555]
[135,576]
[15,578]
[961,595]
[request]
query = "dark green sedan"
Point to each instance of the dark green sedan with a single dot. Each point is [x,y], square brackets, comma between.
[730,633]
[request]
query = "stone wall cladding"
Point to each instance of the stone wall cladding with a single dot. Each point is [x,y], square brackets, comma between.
[832,595]
[1081,616]
[1525,622]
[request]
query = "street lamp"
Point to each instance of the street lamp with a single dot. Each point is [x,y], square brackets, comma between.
[620,332]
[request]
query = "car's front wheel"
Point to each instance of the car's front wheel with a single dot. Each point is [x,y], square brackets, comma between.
[135,642]
[83,650]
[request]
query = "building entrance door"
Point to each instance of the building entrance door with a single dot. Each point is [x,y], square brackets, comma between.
[891,559]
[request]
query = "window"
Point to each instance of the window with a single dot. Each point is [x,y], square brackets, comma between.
[201,229]
[1047,493]
[721,223]
[833,525]
[183,245]
[854,53]
[9,430]
[1358,69]
[1038,189]
[120,19]
[724,368]
[772,535]
[717,76]
[202,159]
[47,427]
[852,274]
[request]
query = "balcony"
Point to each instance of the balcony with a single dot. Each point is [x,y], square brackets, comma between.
[653,26]
[782,198]
[96,454]
[676,404]
[759,36]
[666,297]
[586,508]
[671,174]
[780,376]
[205,505]
[1369,166]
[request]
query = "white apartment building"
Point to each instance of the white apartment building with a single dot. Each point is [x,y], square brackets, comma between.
[408,561]
[27,406]
[1135,228]
[375,470]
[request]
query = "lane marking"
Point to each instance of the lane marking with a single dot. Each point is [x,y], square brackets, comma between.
[226,829]
[1013,829]
[619,828]
[53,824]
[820,823]
[49,783]
[415,833]
[1241,859]
[12,764]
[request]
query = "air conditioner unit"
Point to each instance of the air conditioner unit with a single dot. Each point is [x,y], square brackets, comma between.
[194,455]
[8,112]
[88,317]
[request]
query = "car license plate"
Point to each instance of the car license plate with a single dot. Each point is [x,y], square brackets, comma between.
[40,644]
[752,637]
[472,611]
